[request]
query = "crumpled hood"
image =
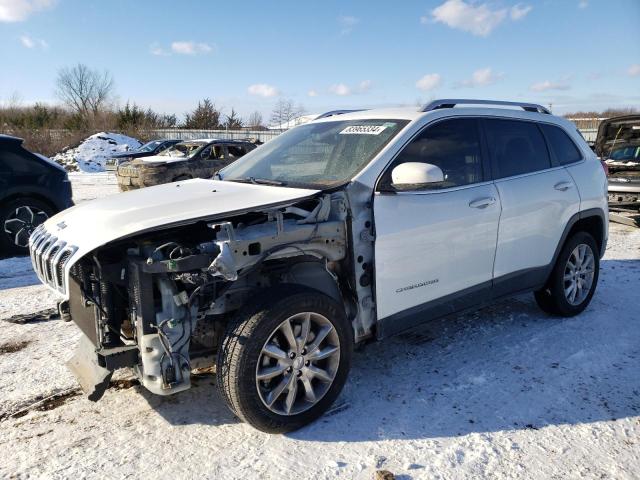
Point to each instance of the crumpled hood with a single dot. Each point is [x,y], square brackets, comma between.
[93,224]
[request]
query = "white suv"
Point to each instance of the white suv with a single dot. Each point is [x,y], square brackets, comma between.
[356,226]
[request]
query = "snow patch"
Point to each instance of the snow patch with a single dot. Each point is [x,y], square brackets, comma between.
[91,154]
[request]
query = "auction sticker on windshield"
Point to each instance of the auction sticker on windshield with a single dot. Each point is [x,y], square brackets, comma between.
[363,130]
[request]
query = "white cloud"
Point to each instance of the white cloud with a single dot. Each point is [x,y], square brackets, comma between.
[312,93]
[478,19]
[519,11]
[634,70]
[364,86]
[583,3]
[190,48]
[343,90]
[262,90]
[19,10]
[30,42]
[429,82]
[347,23]
[482,77]
[340,89]
[549,85]
[156,49]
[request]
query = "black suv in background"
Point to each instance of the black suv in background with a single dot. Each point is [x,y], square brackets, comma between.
[154,147]
[32,188]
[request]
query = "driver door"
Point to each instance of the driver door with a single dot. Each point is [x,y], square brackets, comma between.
[435,245]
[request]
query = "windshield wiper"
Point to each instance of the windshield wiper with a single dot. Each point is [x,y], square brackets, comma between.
[259,181]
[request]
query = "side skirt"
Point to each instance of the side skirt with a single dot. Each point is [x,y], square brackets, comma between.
[469,299]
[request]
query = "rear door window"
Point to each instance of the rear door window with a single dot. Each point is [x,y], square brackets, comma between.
[563,148]
[235,151]
[517,147]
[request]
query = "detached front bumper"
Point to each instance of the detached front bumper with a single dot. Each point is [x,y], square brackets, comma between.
[128,179]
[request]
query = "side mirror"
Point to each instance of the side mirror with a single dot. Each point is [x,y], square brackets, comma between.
[414,175]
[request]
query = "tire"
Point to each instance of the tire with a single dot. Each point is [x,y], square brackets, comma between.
[242,358]
[18,218]
[554,299]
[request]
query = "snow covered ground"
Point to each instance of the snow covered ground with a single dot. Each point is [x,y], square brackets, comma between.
[89,186]
[504,392]
[92,152]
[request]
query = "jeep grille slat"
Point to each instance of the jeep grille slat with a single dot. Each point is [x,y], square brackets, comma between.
[49,257]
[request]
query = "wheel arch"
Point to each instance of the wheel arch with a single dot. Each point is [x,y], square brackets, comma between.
[591,221]
[313,274]
[36,196]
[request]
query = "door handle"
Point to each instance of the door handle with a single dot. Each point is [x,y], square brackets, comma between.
[482,202]
[563,186]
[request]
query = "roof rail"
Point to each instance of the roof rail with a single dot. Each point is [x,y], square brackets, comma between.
[452,102]
[337,112]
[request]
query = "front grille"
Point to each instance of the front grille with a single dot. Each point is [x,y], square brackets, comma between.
[49,257]
[128,171]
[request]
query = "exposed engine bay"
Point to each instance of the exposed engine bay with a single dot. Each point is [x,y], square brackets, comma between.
[159,302]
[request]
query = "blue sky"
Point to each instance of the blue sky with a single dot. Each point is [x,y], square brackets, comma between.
[575,54]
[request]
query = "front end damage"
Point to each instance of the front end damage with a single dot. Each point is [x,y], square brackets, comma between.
[159,302]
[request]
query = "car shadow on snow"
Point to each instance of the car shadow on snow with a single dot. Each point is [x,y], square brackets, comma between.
[505,367]
[201,404]
[17,272]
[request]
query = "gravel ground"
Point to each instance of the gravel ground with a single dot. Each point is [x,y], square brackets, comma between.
[504,392]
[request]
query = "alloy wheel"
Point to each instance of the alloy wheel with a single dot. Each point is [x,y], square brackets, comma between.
[298,363]
[578,274]
[24,220]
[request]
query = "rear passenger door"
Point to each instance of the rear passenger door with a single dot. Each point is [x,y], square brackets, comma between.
[538,197]
[212,160]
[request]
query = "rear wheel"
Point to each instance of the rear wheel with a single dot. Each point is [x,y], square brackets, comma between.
[284,361]
[18,218]
[574,277]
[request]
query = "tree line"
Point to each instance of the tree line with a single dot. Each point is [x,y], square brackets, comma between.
[87,104]
[87,100]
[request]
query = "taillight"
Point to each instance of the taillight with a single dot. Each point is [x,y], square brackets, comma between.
[605,167]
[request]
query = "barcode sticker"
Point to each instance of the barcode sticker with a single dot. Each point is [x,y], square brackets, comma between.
[363,130]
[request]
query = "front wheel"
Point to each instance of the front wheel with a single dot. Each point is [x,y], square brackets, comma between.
[574,277]
[284,360]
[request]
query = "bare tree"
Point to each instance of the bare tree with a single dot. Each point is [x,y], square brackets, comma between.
[84,90]
[285,112]
[255,121]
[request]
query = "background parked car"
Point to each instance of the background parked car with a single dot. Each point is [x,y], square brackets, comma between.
[618,145]
[32,188]
[154,147]
[182,161]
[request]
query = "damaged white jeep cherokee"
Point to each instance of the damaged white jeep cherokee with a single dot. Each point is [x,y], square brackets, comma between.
[355,226]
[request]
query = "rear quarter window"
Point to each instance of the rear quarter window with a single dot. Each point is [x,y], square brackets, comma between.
[517,147]
[563,148]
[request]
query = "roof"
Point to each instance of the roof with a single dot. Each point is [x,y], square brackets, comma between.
[9,138]
[413,113]
[212,140]
[401,113]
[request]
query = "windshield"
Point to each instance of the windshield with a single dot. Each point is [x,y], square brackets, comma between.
[150,146]
[183,150]
[316,154]
[625,153]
